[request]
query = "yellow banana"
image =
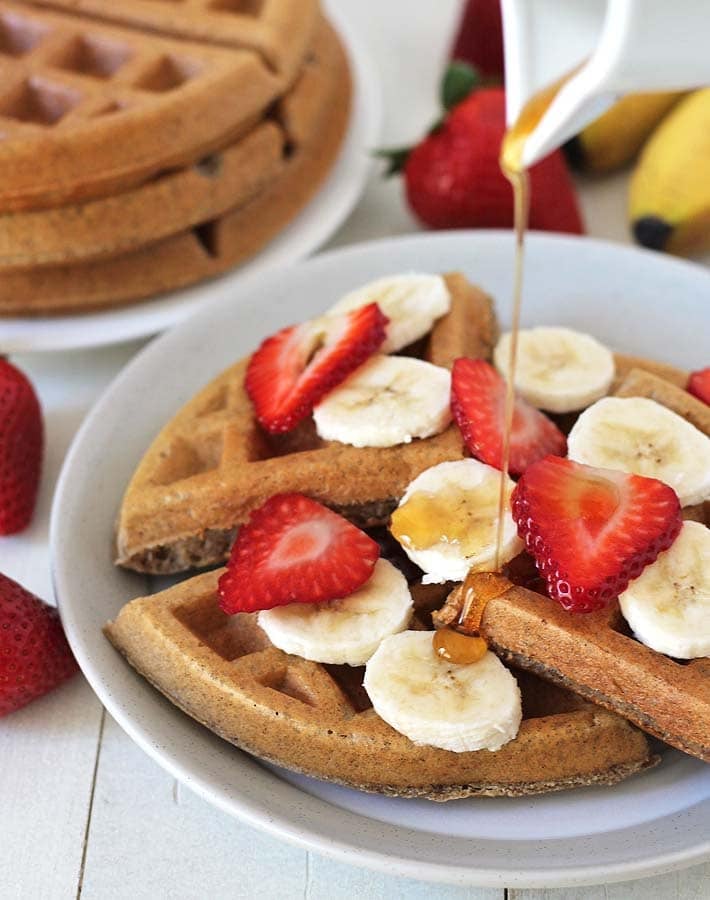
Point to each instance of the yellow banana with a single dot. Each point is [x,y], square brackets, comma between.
[615,138]
[669,196]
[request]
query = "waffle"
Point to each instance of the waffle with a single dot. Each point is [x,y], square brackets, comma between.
[595,655]
[112,225]
[279,30]
[312,117]
[625,364]
[317,719]
[212,464]
[87,109]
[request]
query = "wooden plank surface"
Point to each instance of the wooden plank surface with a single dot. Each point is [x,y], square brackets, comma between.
[151,838]
[48,751]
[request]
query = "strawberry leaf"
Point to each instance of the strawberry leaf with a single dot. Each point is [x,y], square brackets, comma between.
[460,79]
[396,157]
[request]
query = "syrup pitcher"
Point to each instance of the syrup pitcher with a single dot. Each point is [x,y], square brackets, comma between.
[597,50]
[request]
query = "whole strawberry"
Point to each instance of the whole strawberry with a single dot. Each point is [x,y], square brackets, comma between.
[453,177]
[34,654]
[479,39]
[21,445]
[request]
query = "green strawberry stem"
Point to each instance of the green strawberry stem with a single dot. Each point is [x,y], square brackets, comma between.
[459,80]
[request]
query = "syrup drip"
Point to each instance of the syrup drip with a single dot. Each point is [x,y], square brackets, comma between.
[511,159]
[463,644]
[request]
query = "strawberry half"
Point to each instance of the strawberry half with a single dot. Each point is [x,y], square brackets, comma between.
[478,406]
[21,446]
[592,530]
[34,654]
[294,550]
[296,367]
[699,384]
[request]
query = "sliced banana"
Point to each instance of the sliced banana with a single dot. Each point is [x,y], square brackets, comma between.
[633,434]
[442,704]
[447,520]
[668,605]
[343,631]
[389,400]
[412,302]
[557,369]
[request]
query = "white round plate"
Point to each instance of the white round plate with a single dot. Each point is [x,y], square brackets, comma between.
[654,822]
[312,227]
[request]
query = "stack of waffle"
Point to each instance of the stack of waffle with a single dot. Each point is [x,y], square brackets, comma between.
[148,145]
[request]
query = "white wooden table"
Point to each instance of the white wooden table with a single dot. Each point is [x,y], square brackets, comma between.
[83,811]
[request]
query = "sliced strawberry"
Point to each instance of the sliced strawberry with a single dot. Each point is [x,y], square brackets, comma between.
[478,405]
[34,654]
[293,369]
[699,384]
[293,550]
[592,530]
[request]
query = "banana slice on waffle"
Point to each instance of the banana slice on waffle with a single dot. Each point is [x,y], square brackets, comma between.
[557,369]
[635,434]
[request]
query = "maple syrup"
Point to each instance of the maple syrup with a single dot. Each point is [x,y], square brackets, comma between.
[464,517]
[480,587]
[455,647]
[511,163]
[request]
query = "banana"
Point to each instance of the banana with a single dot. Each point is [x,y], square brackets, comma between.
[412,302]
[389,400]
[669,195]
[616,137]
[447,520]
[558,369]
[633,434]
[343,631]
[668,605]
[442,704]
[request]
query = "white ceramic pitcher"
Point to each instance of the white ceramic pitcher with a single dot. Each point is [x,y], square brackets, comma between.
[619,46]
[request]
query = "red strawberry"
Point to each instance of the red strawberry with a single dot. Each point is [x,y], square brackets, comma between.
[453,177]
[699,384]
[478,405]
[293,550]
[21,444]
[34,654]
[592,530]
[479,40]
[293,369]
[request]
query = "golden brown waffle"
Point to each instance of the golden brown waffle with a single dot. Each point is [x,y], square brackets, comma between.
[110,226]
[86,108]
[212,464]
[313,118]
[317,719]
[279,30]
[595,654]
[626,363]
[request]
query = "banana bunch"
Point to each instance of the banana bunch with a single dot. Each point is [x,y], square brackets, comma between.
[669,195]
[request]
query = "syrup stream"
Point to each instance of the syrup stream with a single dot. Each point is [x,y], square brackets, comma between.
[511,165]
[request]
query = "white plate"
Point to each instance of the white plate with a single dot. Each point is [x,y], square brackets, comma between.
[311,228]
[654,822]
